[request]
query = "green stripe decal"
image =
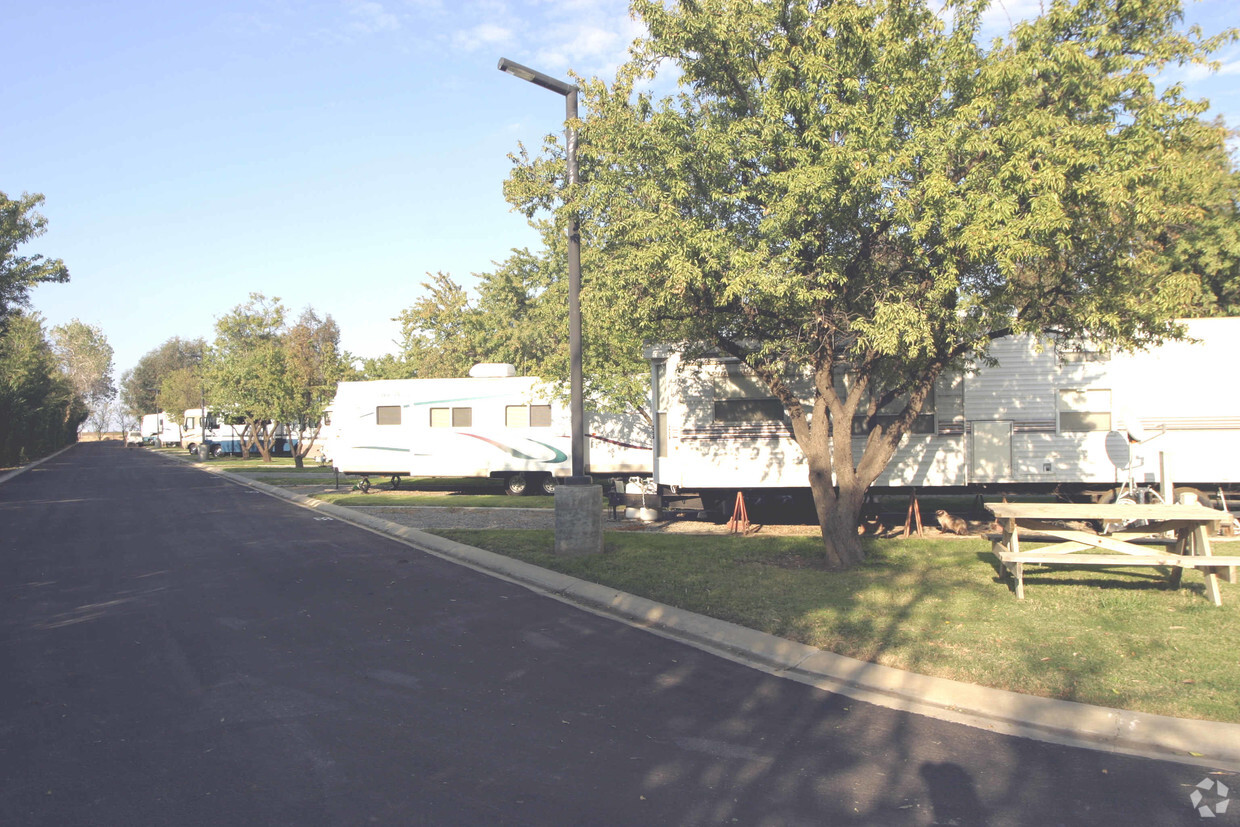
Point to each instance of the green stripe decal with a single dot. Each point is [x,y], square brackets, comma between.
[557,455]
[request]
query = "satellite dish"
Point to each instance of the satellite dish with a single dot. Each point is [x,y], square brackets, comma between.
[1119,450]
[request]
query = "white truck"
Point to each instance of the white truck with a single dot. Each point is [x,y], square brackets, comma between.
[157,429]
[490,424]
[1048,416]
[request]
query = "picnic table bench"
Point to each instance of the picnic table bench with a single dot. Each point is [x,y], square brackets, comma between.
[1175,536]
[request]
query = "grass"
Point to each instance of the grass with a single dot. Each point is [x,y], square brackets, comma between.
[1116,638]
[412,498]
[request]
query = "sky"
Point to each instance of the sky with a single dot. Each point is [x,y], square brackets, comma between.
[327,152]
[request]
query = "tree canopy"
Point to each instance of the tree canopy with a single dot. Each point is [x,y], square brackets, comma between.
[267,372]
[865,188]
[519,315]
[86,359]
[141,384]
[19,223]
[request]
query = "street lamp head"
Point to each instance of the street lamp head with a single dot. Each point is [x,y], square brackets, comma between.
[535,77]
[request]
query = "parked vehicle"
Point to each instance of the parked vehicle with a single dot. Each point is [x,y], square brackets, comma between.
[225,434]
[490,424]
[1047,417]
[159,430]
[133,438]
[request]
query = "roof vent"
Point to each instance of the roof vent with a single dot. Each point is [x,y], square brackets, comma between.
[493,370]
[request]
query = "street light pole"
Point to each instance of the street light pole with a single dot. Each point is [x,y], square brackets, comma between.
[575,380]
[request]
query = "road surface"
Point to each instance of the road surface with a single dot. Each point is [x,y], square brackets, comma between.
[176,649]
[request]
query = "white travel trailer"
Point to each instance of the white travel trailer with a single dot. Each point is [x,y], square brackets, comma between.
[1044,418]
[491,424]
[160,430]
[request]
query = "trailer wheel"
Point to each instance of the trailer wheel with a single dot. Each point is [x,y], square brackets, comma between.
[193,449]
[547,484]
[515,485]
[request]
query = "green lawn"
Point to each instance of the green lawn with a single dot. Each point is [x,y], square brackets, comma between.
[1114,638]
[377,497]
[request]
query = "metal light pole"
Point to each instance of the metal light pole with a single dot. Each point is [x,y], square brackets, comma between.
[576,401]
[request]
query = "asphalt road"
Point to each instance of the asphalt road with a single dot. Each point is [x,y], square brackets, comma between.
[176,649]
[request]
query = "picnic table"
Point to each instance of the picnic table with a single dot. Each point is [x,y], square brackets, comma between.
[1175,536]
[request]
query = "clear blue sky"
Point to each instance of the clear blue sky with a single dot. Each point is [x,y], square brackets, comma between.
[328,152]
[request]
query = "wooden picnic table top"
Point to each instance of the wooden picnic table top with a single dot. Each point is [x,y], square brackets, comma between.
[1105,511]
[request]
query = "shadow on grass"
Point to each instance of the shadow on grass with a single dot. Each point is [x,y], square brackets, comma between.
[937,607]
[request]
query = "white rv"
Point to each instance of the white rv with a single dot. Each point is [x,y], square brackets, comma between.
[1045,417]
[223,437]
[491,424]
[158,429]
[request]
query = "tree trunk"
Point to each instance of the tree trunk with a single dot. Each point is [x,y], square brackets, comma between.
[839,514]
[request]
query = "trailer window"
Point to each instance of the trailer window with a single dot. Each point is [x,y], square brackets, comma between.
[1084,410]
[740,396]
[748,410]
[452,417]
[387,415]
[527,416]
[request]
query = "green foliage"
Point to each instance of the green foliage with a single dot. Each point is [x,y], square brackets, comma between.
[520,316]
[180,390]
[265,371]
[86,359]
[39,410]
[19,223]
[863,187]
[140,386]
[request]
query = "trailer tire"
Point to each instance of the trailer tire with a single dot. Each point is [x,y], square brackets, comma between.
[193,449]
[547,485]
[516,485]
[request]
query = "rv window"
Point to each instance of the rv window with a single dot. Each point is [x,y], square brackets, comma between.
[189,423]
[922,424]
[387,415]
[748,410]
[1084,410]
[462,417]
[441,418]
[527,416]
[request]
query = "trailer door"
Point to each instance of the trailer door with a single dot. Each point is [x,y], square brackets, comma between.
[991,451]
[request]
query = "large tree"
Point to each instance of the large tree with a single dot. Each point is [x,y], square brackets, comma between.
[267,373]
[39,411]
[852,197]
[20,222]
[86,359]
[314,363]
[140,385]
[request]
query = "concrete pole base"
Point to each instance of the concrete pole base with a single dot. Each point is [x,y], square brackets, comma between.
[578,520]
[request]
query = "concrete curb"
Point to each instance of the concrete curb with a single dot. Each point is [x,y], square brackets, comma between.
[1201,743]
[8,475]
